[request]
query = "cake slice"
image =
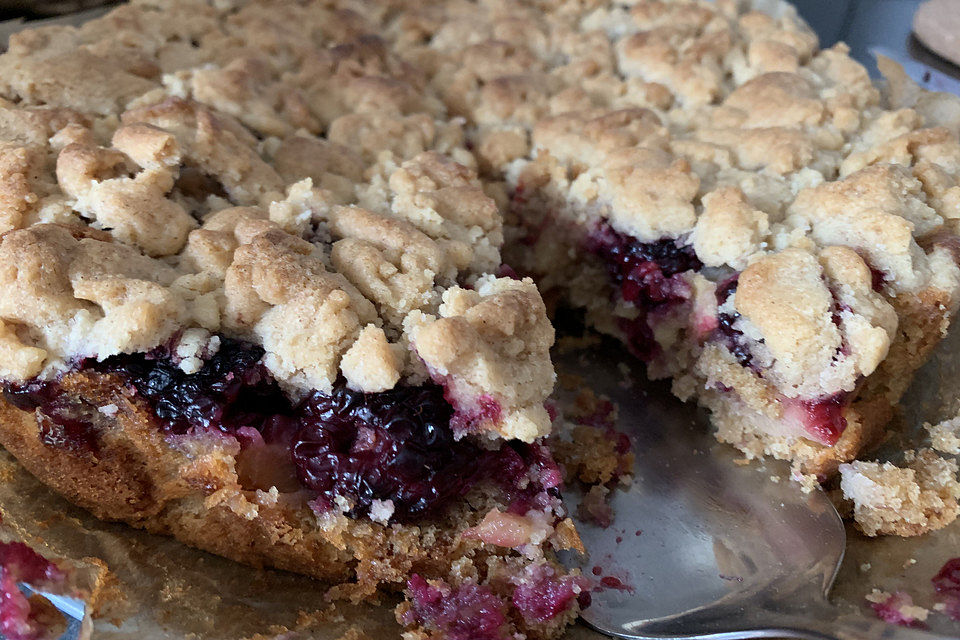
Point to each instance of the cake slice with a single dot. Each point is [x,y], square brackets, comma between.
[248,298]
[748,213]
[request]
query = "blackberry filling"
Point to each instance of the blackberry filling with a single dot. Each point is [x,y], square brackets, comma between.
[647,275]
[725,334]
[947,585]
[877,279]
[62,422]
[947,579]
[395,446]
[823,417]
[474,612]
[232,390]
[544,594]
[467,612]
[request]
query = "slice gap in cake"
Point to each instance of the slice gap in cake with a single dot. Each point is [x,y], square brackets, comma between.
[794,296]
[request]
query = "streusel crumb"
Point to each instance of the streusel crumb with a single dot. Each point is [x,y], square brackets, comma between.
[945,435]
[897,608]
[911,500]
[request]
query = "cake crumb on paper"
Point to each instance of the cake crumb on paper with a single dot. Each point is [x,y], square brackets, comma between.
[945,435]
[897,608]
[108,409]
[807,481]
[907,501]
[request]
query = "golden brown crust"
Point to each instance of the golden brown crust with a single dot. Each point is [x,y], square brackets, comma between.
[154,123]
[417,223]
[121,481]
[188,487]
[706,123]
[774,160]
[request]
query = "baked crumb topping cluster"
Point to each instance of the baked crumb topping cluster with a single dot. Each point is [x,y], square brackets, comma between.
[269,172]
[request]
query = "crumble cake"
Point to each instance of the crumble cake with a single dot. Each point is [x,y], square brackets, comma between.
[250,299]
[750,214]
[252,293]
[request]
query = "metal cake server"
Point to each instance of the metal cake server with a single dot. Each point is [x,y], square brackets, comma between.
[704,547]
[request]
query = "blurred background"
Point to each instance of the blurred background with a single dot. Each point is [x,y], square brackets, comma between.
[867,24]
[35,9]
[863,24]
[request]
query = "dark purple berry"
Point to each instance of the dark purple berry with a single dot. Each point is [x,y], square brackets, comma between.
[648,276]
[396,445]
[725,333]
[232,390]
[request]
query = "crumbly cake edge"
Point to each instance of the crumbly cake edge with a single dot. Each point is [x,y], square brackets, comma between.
[194,496]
